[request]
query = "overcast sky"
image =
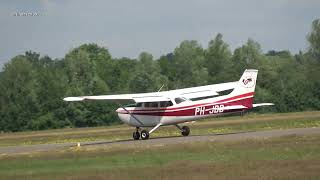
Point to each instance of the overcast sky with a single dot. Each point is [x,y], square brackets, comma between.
[128,27]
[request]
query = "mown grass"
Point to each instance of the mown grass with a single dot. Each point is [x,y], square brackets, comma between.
[213,125]
[292,157]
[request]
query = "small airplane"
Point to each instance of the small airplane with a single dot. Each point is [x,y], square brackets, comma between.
[173,107]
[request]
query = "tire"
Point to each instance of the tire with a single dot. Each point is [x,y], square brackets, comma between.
[144,135]
[185,131]
[136,135]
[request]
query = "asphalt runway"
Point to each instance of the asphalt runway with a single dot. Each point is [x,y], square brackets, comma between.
[235,136]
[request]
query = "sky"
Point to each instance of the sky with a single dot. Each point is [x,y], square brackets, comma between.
[129,27]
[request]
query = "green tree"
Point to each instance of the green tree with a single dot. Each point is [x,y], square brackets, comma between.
[188,65]
[314,39]
[18,100]
[147,77]
[312,67]
[122,72]
[217,62]
[247,56]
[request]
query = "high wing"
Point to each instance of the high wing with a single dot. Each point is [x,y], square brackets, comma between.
[141,97]
[203,91]
[194,92]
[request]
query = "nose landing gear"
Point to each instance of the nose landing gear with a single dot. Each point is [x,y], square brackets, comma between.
[136,134]
[144,134]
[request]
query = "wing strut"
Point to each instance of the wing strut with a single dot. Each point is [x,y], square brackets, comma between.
[130,114]
[156,127]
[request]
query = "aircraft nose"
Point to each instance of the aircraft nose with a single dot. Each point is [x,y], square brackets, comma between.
[123,116]
[118,110]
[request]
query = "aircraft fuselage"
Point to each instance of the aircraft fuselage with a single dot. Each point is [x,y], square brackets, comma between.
[185,111]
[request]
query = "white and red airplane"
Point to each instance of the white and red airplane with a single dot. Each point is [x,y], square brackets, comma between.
[175,106]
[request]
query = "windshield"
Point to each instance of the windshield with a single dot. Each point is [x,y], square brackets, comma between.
[179,100]
[134,105]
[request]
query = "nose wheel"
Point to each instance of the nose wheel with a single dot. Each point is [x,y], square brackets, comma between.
[144,134]
[136,135]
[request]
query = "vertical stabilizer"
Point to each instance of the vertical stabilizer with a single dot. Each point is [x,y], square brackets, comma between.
[247,82]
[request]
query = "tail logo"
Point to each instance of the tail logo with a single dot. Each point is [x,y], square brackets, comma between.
[248,82]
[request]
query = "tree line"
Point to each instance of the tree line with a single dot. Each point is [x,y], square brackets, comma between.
[32,86]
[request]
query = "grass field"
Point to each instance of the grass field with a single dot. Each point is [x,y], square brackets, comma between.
[288,157]
[213,125]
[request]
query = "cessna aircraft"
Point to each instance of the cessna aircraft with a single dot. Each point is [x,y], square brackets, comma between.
[176,106]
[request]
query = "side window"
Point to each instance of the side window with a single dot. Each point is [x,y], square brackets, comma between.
[179,100]
[151,104]
[147,104]
[154,104]
[139,105]
[165,103]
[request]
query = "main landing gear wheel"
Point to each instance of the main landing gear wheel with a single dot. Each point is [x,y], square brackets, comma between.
[185,130]
[144,135]
[136,135]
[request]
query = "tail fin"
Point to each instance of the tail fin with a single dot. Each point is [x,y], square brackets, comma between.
[247,82]
[244,89]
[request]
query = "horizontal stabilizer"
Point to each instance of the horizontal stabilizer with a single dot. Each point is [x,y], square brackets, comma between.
[73,99]
[234,107]
[262,104]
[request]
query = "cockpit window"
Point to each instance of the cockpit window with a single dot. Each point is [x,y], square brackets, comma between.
[165,103]
[179,100]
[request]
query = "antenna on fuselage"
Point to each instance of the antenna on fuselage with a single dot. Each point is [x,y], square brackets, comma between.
[161,88]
